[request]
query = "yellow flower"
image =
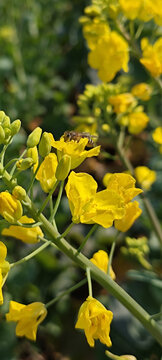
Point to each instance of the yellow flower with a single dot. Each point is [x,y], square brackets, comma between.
[137,121]
[89,207]
[109,56]
[123,184]
[28,317]
[122,102]
[27,235]
[10,207]
[46,172]
[4,268]
[157,11]
[141,9]
[75,149]
[101,259]
[152,56]
[95,320]
[145,176]
[157,135]
[94,30]
[132,213]
[142,91]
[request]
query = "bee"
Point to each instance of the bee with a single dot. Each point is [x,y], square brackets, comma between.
[76,136]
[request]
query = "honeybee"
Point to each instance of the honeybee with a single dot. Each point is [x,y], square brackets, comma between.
[76,136]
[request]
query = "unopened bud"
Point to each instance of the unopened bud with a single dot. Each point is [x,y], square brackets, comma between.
[2,115]
[7,132]
[45,145]
[6,122]
[63,167]
[34,137]
[33,153]
[2,135]
[19,193]
[106,128]
[15,127]
[10,207]
[24,164]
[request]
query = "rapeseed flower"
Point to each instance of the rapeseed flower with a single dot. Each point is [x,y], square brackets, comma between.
[137,121]
[94,30]
[89,206]
[109,56]
[152,56]
[142,91]
[75,149]
[101,260]
[124,185]
[141,9]
[157,135]
[95,320]
[28,317]
[10,207]
[122,102]
[27,235]
[46,172]
[4,268]
[145,176]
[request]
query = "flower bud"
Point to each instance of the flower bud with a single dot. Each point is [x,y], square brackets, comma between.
[7,132]
[10,207]
[45,145]
[19,193]
[33,153]
[24,164]
[6,122]
[63,167]
[34,137]
[15,127]
[2,115]
[2,135]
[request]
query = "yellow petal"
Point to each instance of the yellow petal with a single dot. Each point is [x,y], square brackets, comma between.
[132,213]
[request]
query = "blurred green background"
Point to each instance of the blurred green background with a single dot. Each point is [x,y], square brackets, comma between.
[43,68]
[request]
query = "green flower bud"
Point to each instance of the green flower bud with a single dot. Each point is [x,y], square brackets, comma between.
[15,127]
[34,137]
[2,135]
[2,115]
[19,193]
[7,132]
[63,167]
[6,122]
[33,153]
[24,164]
[45,145]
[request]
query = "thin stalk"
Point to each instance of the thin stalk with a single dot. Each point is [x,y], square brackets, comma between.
[33,177]
[66,292]
[66,231]
[31,255]
[115,357]
[156,316]
[88,272]
[57,203]
[20,157]
[111,256]
[91,231]
[48,197]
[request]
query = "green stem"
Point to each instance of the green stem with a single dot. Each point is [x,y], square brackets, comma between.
[20,157]
[91,231]
[57,201]
[156,316]
[111,256]
[115,357]
[31,255]
[88,272]
[150,210]
[66,231]
[33,177]
[48,197]
[66,292]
